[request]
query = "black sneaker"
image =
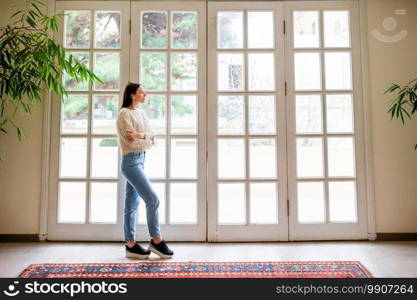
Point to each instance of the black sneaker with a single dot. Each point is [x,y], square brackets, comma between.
[161,249]
[137,251]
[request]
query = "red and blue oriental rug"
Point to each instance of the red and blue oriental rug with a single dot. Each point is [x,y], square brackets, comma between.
[282,269]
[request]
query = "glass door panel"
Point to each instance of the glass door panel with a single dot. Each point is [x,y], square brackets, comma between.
[167,58]
[326,173]
[85,199]
[246,145]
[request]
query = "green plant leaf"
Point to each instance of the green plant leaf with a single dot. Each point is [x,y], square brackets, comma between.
[36,7]
[18,12]
[392,88]
[20,134]
[3,125]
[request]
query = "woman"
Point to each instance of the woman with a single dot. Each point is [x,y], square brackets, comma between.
[135,137]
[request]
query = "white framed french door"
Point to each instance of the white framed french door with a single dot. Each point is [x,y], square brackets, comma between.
[85,196]
[326,175]
[257,110]
[247,183]
[168,50]
[162,46]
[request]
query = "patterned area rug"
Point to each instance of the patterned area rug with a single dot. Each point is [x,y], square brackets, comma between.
[283,269]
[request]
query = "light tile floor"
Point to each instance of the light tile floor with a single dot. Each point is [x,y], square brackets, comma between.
[382,259]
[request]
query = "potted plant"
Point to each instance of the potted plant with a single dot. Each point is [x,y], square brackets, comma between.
[405,102]
[31,63]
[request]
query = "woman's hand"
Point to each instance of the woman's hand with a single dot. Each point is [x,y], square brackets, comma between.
[132,135]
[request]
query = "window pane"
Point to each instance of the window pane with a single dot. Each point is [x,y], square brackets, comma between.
[183,204]
[308,113]
[184,72]
[229,29]
[74,114]
[71,203]
[261,72]
[260,29]
[306,29]
[155,159]
[107,30]
[309,157]
[73,160]
[70,83]
[341,156]
[231,205]
[103,202]
[342,202]
[104,158]
[307,71]
[231,157]
[230,72]
[184,114]
[230,115]
[77,29]
[339,113]
[105,112]
[310,200]
[338,71]
[263,203]
[153,71]
[184,158]
[261,114]
[336,28]
[184,30]
[107,67]
[156,109]
[159,189]
[154,30]
[262,158]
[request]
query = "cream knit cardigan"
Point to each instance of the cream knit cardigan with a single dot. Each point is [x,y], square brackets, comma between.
[134,120]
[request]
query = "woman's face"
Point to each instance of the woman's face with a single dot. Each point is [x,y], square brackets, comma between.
[139,96]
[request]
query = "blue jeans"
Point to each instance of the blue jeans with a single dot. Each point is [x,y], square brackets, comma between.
[138,185]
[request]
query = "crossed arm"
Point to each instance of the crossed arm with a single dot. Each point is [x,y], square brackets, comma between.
[134,135]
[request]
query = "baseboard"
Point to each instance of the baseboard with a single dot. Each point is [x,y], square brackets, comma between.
[19,237]
[391,236]
[397,236]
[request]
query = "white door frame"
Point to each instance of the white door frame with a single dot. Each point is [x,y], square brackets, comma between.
[86,231]
[329,231]
[247,232]
[177,232]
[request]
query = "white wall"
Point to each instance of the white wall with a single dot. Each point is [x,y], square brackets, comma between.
[395,161]
[20,175]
